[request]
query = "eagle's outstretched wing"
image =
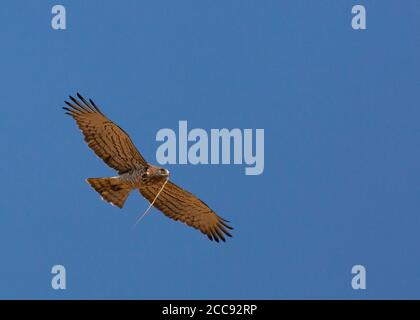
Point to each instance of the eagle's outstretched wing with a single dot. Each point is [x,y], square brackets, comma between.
[180,204]
[111,143]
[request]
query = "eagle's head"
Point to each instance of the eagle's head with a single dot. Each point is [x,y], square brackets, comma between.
[154,174]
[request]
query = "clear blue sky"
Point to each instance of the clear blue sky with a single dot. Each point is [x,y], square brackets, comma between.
[340,110]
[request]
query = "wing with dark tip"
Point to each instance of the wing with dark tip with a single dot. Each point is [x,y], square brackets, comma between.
[181,205]
[111,143]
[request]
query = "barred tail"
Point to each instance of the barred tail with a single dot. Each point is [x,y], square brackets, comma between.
[112,190]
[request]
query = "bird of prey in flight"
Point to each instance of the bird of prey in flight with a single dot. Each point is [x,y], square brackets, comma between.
[113,145]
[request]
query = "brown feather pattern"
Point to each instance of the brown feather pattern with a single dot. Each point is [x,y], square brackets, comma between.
[179,204]
[111,143]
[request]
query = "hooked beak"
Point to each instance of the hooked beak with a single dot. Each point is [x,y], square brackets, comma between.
[164,172]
